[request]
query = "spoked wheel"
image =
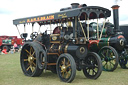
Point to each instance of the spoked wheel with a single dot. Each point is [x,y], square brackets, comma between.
[66,67]
[33,35]
[28,60]
[109,57]
[93,67]
[123,61]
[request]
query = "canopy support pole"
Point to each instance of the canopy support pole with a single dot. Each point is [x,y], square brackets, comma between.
[97,30]
[75,27]
[24,29]
[32,27]
[82,29]
[88,28]
[18,31]
[50,28]
[39,29]
[102,29]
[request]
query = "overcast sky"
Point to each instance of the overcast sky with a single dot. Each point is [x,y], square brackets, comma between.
[13,9]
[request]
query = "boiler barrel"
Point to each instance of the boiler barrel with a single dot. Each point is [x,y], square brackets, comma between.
[77,51]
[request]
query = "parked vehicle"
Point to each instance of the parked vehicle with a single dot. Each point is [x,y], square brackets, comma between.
[7,42]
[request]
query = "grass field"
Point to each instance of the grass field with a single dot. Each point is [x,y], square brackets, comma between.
[11,74]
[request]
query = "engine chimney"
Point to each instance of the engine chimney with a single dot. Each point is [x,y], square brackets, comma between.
[116,18]
[75,5]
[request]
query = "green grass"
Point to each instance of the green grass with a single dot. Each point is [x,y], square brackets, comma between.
[11,74]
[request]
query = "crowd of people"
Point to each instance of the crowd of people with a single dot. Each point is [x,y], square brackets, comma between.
[14,49]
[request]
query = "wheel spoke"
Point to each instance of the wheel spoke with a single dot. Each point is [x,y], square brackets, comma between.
[70,69]
[67,75]
[25,59]
[64,61]
[34,64]
[112,63]
[111,54]
[107,53]
[33,54]
[68,65]
[105,64]
[88,71]
[68,62]
[30,49]
[104,52]
[28,67]
[110,67]
[32,68]
[112,58]
[28,52]
[102,55]
[63,74]
[94,71]
[96,66]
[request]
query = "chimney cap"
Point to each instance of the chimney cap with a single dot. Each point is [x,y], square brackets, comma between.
[75,4]
[115,7]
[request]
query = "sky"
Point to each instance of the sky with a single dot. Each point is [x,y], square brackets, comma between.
[14,9]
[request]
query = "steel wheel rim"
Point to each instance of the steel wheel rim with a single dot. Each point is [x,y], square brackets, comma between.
[28,60]
[108,59]
[124,60]
[92,69]
[65,69]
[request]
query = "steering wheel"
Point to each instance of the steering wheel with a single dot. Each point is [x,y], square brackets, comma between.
[33,35]
[92,23]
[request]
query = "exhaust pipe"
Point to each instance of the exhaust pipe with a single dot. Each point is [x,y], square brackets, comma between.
[75,5]
[116,18]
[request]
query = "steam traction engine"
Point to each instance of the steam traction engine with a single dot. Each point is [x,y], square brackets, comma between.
[111,46]
[66,48]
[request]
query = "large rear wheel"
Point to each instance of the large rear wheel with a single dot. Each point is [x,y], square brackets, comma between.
[109,57]
[28,59]
[93,65]
[66,68]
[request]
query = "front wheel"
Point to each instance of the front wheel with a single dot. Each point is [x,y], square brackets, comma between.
[93,65]
[66,68]
[123,61]
[109,57]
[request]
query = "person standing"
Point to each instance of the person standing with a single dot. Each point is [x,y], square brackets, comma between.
[15,47]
